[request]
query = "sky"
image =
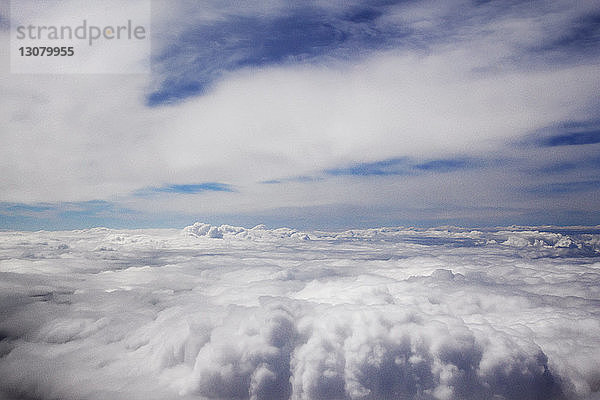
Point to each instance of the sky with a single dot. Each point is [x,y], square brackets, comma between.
[320,114]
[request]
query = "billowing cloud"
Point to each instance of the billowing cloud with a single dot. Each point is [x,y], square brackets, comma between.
[224,312]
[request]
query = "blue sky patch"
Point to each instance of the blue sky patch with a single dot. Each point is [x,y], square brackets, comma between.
[403,166]
[67,215]
[296,179]
[394,166]
[572,139]
[186,189]
[582,35]
[566,133]
[203,53]
[443,165]
[565,187]
[579,165]
[18,208]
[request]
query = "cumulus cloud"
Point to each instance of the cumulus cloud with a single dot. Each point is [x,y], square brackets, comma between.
[444,313]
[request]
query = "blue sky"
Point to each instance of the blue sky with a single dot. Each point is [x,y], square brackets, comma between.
[318,115]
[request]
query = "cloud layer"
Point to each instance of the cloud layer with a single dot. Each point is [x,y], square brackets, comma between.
[233,313]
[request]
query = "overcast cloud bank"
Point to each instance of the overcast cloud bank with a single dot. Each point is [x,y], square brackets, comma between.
[233,313]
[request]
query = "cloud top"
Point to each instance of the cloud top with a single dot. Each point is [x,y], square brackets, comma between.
[236,313]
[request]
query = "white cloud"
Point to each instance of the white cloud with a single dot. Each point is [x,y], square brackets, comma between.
[276,314]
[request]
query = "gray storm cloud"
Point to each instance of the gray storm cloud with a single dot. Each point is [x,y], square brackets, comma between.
[233,313]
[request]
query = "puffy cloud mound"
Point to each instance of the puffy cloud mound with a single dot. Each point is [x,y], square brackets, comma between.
[387,313]
[201,229]
[259,232]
